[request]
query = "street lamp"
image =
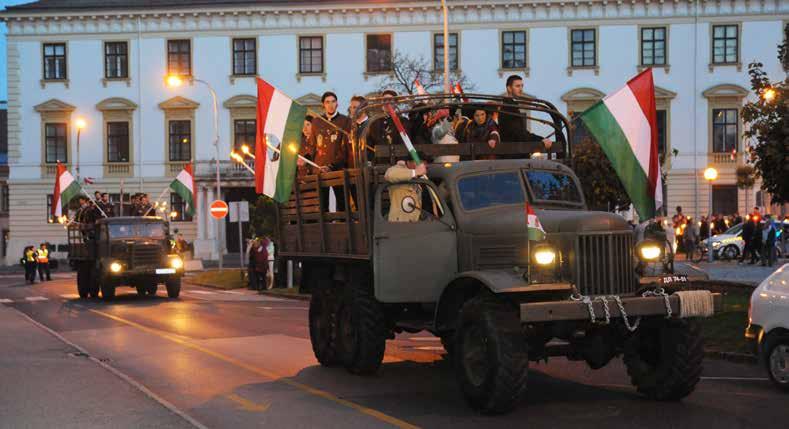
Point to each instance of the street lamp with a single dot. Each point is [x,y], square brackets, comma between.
[710,174]
[175,81]
[768,95]
[80,124]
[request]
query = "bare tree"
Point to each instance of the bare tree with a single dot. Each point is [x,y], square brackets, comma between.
[407,69]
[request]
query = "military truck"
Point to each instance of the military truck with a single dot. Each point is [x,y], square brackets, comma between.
[124,251]
[465,270]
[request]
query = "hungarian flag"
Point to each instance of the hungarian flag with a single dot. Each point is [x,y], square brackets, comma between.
[401,130]
[533,225]
[66,188]
[420,90]
[184,186]
[277,141]
[625,125]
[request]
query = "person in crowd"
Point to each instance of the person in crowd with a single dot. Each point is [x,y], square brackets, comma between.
[307,148]
[330,133]
[42,262]
[106,205]
[361,122]
[29,262]
[483,130]
[769,233]
[261,263]
[720,224]
[419,121]
[512,125]
[747,238]
[690,238]
[86,216]
[384,131]
[442,133]
[679,219]
[736,219]
[353,107]
[252,246]
[756,240]
[704,228]
[401,195]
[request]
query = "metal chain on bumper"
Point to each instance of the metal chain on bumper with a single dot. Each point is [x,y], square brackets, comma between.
[593,318]
[634,326]
[660,292]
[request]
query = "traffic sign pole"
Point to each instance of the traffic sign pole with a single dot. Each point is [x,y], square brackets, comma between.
[218,210]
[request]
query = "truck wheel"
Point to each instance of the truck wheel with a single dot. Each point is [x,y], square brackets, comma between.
[82,285]
[173,288]
[153,288]
[776,358]
[447,340]
[323,325]
[107,291]
[142,290]
[664,358]
[361,328]
[491,360]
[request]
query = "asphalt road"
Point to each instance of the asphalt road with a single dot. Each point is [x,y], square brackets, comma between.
[235,359]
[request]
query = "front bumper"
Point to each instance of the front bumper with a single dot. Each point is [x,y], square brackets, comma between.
[753,335]
[557,311]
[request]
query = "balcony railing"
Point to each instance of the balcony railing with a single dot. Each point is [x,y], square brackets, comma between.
[117,170]
[725,158]
[227,169]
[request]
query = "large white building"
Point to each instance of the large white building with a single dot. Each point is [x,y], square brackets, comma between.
[106,63]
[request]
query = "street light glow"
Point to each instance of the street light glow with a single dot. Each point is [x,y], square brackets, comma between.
[174,81]
[80,123]
[710,174]
[769,95]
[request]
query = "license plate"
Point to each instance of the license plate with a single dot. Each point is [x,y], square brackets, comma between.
[675,279]
[165,271]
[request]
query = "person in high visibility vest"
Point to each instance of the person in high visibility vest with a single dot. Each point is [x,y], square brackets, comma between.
[43,262]
[29,259]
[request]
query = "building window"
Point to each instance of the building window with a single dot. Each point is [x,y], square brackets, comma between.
[55,143]
[724,199]
[724,44]
[583,48]
[179,57]
[724,130]
[438,51]
[50,217]
[180,133]
[178,205]
[379,53]
[244,57]
[662,125]
[244,133]
[513,49]
[54,61]
[116,60]
[118,141]
[653,46]
[311,54]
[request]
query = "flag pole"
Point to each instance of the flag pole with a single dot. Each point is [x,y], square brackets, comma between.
[157,200]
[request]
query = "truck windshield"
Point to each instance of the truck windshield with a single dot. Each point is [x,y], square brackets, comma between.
[553,186]
[146,230]
[488,190]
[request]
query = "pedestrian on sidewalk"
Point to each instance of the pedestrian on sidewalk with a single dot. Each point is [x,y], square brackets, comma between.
[261,263]
[769,233]
[690,238]
[42,260]
[747,237]
[29,258]
[252,277]
[756,241]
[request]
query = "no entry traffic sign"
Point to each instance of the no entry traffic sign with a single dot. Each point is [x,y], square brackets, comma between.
[218,209]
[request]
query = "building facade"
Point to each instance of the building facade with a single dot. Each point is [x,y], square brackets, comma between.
[80,58]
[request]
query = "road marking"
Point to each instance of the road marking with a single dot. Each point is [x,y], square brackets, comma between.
[6,301]
[285,308]
[247,405]
[202,292]
[429,348]
[70,295]
[421,339]
[394,421]
[37,298]
[134,383]
[233,292]
[737,378]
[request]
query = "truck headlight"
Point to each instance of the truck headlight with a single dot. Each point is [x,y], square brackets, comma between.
[649,251]
[176,263]
[544,255]
[116,267]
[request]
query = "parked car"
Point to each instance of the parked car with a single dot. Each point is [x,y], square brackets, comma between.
[730,244]
[768,325]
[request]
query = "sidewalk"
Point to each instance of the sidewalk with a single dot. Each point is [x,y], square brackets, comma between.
[46,383]
[730,271]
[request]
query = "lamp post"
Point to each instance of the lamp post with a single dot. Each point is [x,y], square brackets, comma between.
[710,174]
[447,89]
[174,81]
[80,124]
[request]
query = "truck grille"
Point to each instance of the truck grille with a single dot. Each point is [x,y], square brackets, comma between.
[604,263]
[146,255]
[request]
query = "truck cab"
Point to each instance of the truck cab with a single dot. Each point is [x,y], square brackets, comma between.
[124,251]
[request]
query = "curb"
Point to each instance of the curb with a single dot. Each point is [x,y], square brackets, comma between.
[732,357]
[299,297]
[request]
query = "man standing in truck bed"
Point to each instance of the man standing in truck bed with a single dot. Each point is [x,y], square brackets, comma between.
[330,133]
[512,126]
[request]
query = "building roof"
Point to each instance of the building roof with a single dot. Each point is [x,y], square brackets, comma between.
[45,6]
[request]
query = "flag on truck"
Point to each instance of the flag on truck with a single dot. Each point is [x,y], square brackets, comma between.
[66,188]
[401,130]
[533,225]
[184,186]
[420,90]
[277,141]
[625,125]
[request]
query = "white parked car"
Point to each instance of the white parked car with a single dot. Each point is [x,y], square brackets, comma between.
[730,245]
[768,325]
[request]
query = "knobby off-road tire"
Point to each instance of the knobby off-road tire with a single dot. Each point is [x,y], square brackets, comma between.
[361,326]
[490,355]
[448,341]
[323,325]
[83,283]
[664,358]
[173,288]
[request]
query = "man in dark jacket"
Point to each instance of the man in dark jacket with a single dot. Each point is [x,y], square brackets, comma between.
[330,133]
[747,238]
[512,125]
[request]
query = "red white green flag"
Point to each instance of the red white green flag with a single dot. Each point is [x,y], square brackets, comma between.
[401,130]
[184,186]
[66,188]
[533,225]
[625,125]
[277,141]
